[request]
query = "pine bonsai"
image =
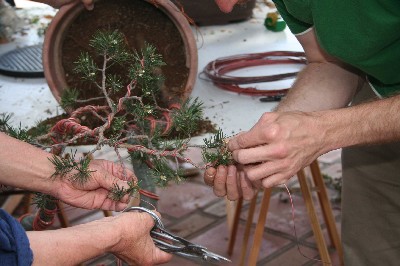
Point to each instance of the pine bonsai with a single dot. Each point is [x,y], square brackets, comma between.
[132,116]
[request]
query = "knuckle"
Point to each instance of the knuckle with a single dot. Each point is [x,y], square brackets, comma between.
[231,180]
[282,150]
[221,170]
[241,140]
[232,197]
[219,193]
[265,117]
[251,175]
[219,181]
[272,132]
[239,157]
[266,183]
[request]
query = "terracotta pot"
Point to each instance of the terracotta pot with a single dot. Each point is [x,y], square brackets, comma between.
[75,14]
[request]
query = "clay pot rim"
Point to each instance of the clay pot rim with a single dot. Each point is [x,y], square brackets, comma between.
[52,65]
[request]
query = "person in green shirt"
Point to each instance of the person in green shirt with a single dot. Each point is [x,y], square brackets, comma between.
[346,97]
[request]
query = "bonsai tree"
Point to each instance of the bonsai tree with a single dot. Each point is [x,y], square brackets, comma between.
[131,116]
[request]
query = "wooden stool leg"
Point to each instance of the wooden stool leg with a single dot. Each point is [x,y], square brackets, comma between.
[323,251]
[28,203]
[246,234]
[61,216]
[259,232]
[235,226]
[230,213]
[12,203]
[107,213]
[326,209]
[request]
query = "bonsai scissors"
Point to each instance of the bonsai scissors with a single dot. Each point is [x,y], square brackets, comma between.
[174,244]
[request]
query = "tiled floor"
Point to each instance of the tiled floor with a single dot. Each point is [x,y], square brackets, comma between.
[191,210]
[202,219]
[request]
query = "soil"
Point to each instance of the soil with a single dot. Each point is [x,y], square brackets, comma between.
[141,23]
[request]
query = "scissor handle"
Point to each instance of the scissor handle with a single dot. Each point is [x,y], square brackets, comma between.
[167,241]
[157,220]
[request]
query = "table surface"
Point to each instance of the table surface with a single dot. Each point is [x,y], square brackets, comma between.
[30,100]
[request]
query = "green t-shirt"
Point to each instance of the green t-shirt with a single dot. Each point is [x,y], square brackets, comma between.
[362,33]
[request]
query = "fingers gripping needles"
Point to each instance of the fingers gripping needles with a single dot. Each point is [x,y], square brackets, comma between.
[174,244]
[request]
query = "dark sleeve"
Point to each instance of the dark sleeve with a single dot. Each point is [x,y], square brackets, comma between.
[295,25]
[14,243]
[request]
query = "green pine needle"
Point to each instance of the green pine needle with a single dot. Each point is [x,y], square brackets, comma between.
[4,121]
[76,172]
[111,44]
[43,201]
[117,193]
[19,133]
[186,119]
[215,151]
[163,173]
[86,67]
[147,64]
[69,98]
[114,82]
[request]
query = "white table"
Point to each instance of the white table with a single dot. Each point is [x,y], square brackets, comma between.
[30,100]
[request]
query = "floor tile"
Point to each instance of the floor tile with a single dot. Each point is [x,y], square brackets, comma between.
[179,200]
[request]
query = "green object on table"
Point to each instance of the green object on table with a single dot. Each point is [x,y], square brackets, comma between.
[274,22]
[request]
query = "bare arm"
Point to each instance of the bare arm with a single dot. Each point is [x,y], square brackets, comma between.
[126,236]
[369,123]
[24,166]
[325,83]
[283,142]
[328,84]
[27,167]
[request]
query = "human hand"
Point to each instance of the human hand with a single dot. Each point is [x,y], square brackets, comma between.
[278,146]
[127,236]
[89,4]
[231,182]
[95,192]
[135,246]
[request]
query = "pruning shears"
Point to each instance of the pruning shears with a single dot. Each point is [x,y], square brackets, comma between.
[174,244]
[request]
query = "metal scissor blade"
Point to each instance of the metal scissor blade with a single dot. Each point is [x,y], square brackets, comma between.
[213,257]
[171,243]
[168,242]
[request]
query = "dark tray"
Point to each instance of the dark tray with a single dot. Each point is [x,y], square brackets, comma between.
[23,62]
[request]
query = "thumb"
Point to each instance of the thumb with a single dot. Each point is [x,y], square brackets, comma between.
[259,134]
[241,141]
[158,256]
[109,182]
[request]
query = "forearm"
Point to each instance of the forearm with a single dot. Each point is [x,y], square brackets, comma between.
[321,86]
[368,123]
[24,166]
[74,245]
